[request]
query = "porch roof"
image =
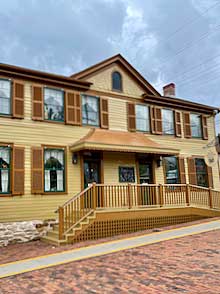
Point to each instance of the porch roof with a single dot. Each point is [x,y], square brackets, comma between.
[106,140]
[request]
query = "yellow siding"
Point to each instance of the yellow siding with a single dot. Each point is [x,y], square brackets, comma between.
[117,114]
[30,133]
[102,82]
[112,161]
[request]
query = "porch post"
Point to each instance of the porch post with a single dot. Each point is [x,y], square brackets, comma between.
[94,200]
[210,198]
[160,188]
[129,196]
[187,194]
[61,222]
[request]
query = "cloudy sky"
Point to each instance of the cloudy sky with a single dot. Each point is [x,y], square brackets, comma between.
[167,41]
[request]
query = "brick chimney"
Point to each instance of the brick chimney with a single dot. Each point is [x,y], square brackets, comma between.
[169,90]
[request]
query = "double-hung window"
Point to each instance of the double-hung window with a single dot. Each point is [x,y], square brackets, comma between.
[5,97]
[90,110]
[167,122]
[54,170]
[142,118]
[53,104]
[196,125]
[5,166]
[201,172]
[171,170]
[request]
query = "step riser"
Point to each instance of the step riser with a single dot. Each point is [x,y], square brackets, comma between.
[52,236]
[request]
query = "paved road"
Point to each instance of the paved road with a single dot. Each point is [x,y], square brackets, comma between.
[29,265]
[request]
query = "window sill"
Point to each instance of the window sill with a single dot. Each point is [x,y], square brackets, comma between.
[116,90]
[6,115]
[55,193]
[170,135]
[90,126]
[3,195]
[54,121]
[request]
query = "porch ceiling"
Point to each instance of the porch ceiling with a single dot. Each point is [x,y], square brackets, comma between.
[106,140]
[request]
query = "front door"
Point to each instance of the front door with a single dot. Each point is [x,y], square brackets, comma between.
[145,173]
[91,172]
[147,194]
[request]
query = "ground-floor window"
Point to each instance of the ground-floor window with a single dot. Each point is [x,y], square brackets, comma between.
[201,172]
[126,174]
[171,170]
[5,165]
[54,170]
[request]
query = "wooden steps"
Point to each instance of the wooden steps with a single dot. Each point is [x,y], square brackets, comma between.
[52,236]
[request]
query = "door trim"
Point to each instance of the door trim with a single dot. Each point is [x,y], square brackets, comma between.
[137,161]
[101,166]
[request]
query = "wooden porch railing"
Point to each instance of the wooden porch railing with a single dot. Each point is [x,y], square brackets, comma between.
[127,196]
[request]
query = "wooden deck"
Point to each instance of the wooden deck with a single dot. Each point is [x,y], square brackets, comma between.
[79,214]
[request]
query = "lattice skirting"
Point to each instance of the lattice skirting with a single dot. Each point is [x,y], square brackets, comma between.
[101,229]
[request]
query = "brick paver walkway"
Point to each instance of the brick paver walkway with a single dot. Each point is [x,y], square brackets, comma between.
[33,249]
[187,265]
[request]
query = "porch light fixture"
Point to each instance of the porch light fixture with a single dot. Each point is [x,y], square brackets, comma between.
[74,158]
[159,161]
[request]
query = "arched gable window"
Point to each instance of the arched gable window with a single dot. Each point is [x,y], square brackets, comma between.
[116,81]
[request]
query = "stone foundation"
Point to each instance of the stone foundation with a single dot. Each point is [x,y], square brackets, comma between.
[20,232]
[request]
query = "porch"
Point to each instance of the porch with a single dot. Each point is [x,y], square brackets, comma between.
[101,209]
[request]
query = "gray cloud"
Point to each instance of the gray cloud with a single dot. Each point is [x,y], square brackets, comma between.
[65,36]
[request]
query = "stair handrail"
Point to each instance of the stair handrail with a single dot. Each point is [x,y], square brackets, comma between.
[68,218]
[74,197]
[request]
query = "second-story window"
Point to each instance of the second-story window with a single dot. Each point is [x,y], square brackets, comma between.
[196,125]
[90,110]
[5,97]
[116,81]
[142,118]
[53,104]
[167,122]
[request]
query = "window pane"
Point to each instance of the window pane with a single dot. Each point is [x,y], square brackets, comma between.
[53,104]
[196,127]
[90,110]
[116,81]
[201,172]
[126,174]
[54,170]
[4,170]
[5,97]
[142,118]
[171,167]
[168,121]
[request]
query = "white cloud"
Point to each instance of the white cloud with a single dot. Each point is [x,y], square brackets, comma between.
[134,40]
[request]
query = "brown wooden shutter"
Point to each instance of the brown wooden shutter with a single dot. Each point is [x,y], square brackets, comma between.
[18,171]
[178,128]
[37,103]
[210,176]
[18,100]
[158,121]
[73,108]
[131,117]
[187,126]
[192,171]
[104,113]
[37,181]
[204,127]
[182,173]
[152,119]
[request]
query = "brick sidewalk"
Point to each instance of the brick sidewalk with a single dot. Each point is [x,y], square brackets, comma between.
[37,248]
[187,265]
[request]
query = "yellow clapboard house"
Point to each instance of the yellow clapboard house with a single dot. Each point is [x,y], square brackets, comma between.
[106,125]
